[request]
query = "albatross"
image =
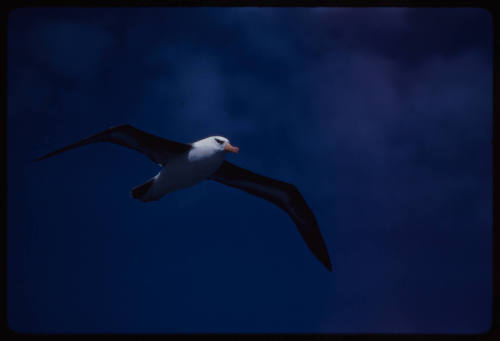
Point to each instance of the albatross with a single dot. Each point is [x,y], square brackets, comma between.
[184,165]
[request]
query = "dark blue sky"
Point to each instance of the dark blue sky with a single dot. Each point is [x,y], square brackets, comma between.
[381,118]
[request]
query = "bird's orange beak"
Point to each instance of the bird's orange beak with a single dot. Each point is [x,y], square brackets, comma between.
[231,148]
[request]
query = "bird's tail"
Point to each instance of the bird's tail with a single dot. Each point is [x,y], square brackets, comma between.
[139,192]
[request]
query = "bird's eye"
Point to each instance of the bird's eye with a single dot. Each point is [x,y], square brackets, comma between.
[219,141]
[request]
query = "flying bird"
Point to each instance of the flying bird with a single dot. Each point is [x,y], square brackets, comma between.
[184,165]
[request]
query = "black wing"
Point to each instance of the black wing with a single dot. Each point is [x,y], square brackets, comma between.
[156,148]
[282,194]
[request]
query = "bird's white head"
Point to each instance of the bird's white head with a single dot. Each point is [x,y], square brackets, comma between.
[212,146]
[222,144]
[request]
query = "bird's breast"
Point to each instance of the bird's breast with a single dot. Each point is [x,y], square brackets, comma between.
[184,172]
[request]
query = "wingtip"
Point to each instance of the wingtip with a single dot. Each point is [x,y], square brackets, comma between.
[41,158]
[328,265]
[325,261]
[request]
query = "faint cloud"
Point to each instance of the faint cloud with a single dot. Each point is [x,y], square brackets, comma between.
[28,80]
[70,48]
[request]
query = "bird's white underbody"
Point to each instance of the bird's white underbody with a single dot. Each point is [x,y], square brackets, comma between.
[187,170]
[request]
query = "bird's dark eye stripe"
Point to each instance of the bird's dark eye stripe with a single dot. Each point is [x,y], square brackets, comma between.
[219,141]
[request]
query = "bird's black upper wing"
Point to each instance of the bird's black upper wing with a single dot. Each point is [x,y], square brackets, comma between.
[156,148]
[282,194]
